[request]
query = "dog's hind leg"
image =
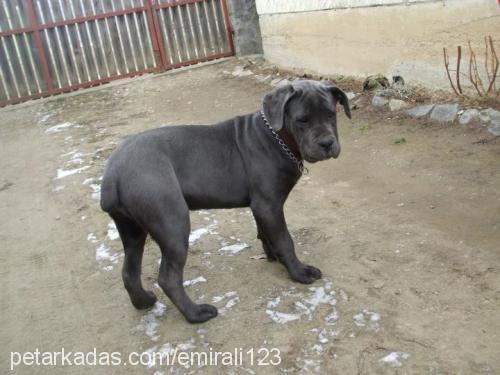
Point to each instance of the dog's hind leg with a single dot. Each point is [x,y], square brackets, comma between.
[133,238]
[167,220]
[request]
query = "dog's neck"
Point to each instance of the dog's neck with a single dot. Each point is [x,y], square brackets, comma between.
[290,142]
[285,136]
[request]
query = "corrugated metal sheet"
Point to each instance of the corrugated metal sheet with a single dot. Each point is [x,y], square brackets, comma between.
[52,46]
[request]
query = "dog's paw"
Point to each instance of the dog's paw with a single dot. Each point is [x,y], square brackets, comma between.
[306,275]
[144,301]
[202,313]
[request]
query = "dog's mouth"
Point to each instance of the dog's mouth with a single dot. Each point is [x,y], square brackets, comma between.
[319,155]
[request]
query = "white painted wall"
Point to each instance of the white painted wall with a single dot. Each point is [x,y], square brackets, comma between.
[294,6]
[363,37]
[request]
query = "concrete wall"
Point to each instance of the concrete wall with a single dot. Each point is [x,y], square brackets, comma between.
[403,37]
[245,21]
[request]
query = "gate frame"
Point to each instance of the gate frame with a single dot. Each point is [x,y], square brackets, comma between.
[150,7]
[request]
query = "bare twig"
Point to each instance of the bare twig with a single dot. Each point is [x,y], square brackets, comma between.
[486,59]
[447,66]
[494,67]
[473,78]
[459,58]
[491,65]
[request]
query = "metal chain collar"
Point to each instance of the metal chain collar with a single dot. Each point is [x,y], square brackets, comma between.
[284,147]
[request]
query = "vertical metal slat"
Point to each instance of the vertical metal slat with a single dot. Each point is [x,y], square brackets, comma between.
[193,33]
[200,27]
[148,35]
[139,36]
[28,48]
[4,82]
[80,42]
[91,42]
[176,38]
[59,43]
[165,36]
[129,35]
[120,39]
[220,38]
[207,22]
[183,31]
[16,47]
[70,44]
[49,46]
[100,40]
[110,40]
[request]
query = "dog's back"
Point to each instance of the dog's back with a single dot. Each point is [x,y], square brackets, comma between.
[179,150]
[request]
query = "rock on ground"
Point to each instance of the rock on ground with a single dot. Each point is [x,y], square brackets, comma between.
[420,111]
[396,104]
[444,113]
[468,116]
[494,127]
[378,101]
[486,115]
[350,95]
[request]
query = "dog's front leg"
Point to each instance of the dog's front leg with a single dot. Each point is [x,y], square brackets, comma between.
[272,227]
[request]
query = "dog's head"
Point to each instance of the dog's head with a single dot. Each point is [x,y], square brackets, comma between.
[307,110]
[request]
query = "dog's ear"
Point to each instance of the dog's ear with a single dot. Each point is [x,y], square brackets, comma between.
[274,105]
[341,97]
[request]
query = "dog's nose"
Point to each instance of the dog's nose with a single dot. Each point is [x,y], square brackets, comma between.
[326,144]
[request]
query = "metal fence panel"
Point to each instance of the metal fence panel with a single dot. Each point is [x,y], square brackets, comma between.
[53,46]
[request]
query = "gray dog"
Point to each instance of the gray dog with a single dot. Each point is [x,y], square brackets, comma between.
[154,178]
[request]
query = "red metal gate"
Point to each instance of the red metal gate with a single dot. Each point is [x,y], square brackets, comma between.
[52,46]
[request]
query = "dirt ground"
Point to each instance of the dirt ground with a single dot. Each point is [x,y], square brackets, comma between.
[407,234]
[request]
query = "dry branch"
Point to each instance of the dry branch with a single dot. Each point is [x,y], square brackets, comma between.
[491,65]
[447,66]
[494,65]
[459,58]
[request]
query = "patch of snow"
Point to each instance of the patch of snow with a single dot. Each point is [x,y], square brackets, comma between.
[58,188]
[45,118]
[322,337]
[61,173]
[96,191]
[367,318]
[273,303]
[232,300]
[282,318]
[233,249]
[59,127]
[92,238]
[199,279]
[395,359]
[229,304]
[150,323]
[69,153]
[167,353]
[102,253]
[198,233]
[112,232]
[306,306]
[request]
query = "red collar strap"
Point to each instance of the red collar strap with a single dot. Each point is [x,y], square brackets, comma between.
[287,144]
[290,142]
